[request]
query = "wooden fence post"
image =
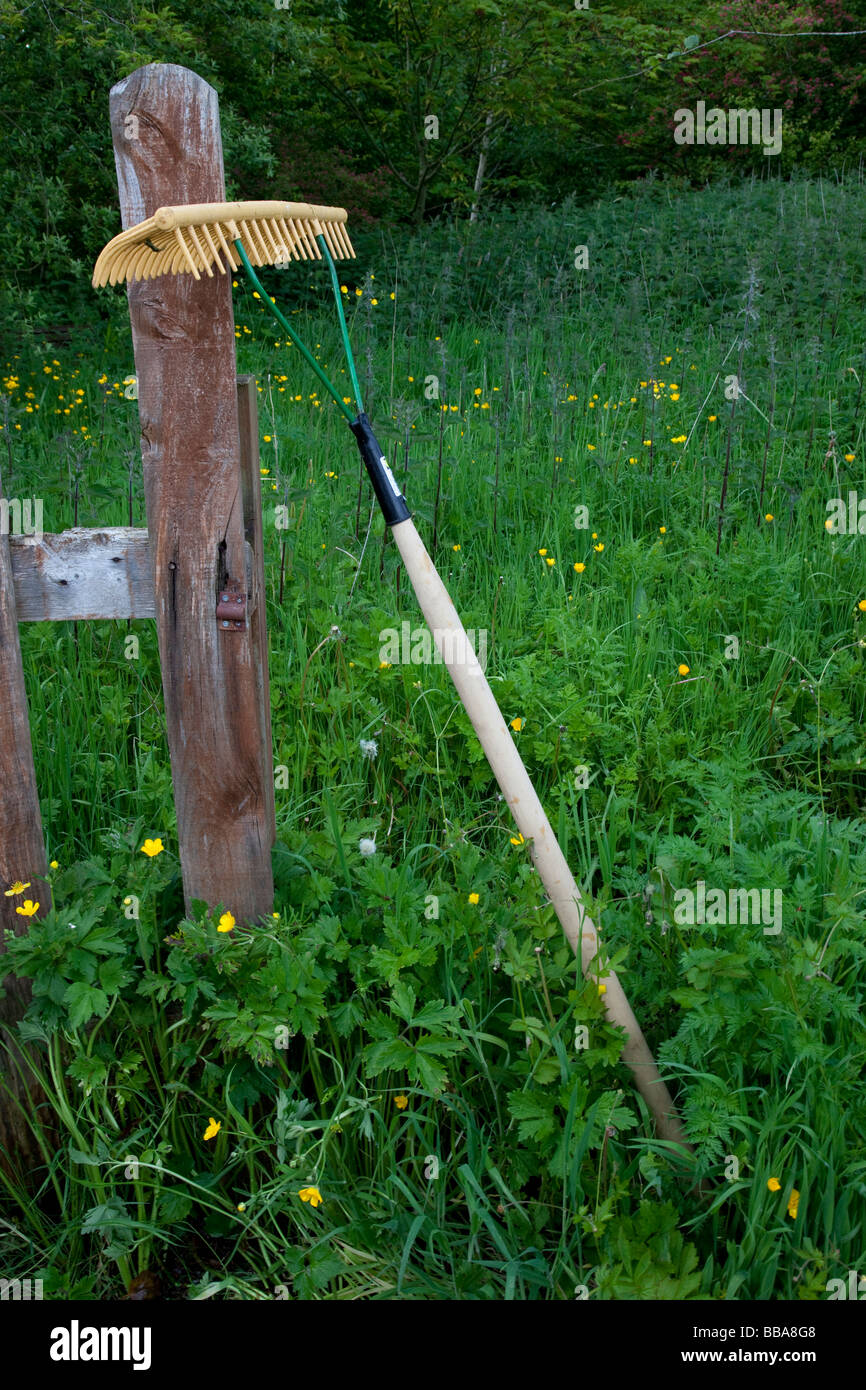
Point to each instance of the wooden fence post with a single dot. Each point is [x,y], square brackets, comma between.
[22,848]
[167,147]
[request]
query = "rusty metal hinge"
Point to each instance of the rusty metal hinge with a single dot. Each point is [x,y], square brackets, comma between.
[231,609]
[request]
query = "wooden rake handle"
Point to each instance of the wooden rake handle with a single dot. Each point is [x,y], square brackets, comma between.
[506,764]
[508,769]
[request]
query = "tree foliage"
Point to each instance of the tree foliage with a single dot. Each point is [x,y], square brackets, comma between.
[399,109]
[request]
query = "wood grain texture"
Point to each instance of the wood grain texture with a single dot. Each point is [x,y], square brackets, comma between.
[22,855]
[183,336]
[251,487]
[82,574]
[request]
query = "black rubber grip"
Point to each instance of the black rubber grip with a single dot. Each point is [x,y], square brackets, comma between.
[388,494]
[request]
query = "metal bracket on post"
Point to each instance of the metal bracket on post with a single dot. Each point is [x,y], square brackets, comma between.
[231,610]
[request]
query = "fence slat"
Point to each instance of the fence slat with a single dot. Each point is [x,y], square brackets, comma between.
[248,421]
[22,848]
[82,574]
[165,129]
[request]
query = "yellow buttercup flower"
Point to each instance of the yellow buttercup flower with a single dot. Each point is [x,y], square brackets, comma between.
[15,888]
[401,1102]
[517,724]
[474,899]
[152,848]
[518,839]
[28,908]
[579,567]
[311,1195]
[226,922]
[793,1203]
[683,669]
[213,1128]
[773,1184]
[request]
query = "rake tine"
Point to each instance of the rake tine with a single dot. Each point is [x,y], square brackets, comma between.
[264,236]
[134,271]
[166,261]
[285,239]
[225,246]
[309,240]
[340,233]
[290,240]
[299,241]
[246,239]
[202,257]
[310,234]
[268,236]
[255,240]
[184,248]
[281,251]
[328,234]
[217,262]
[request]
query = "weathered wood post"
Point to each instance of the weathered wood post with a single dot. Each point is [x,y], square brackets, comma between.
[22,849]
[168,150]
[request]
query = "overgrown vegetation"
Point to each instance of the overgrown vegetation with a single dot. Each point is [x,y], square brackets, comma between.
[405,1038]
[399,111]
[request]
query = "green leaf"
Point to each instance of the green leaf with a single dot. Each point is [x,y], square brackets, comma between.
[174,1205]
[403,1000]
[113,976]
[535,1112]
[89,1160]
[436,1014]
[394,1054]
[83,1002]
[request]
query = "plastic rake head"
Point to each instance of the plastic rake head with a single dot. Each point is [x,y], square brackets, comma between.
[179,240]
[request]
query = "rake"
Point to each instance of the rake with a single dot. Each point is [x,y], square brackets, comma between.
[204,236]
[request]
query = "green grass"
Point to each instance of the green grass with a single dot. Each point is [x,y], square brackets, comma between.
[745,771]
